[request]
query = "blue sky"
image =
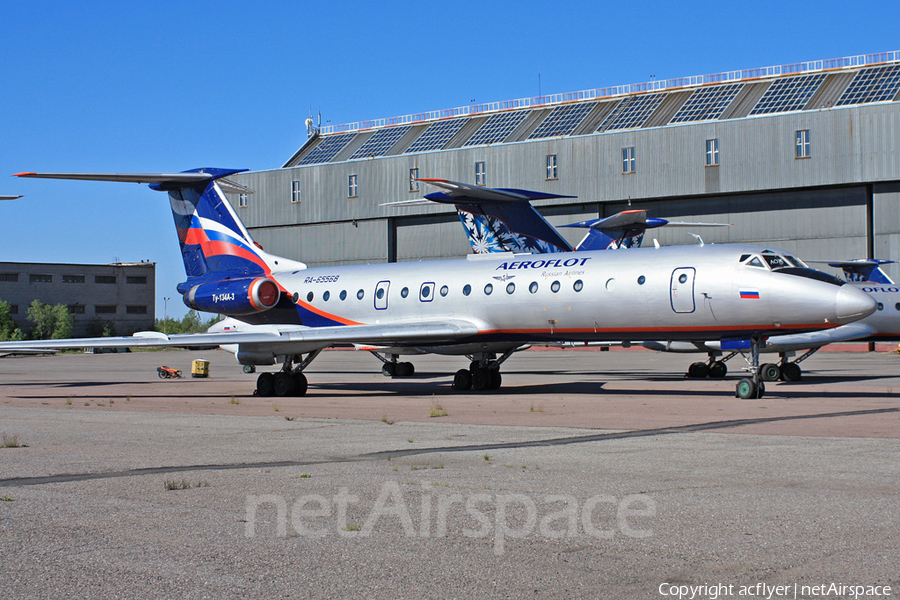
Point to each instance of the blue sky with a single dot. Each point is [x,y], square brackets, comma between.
[169,86]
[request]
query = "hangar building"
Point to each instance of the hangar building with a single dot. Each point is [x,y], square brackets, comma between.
[804,157]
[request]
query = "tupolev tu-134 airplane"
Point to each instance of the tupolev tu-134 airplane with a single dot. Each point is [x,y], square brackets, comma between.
[485,307]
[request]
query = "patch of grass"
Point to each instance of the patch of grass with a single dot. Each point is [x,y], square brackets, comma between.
[101,404]
[424,467]
[11,441]
[538,408]
[385,420]
[234,401]
[276,407]
[184,484]
[68,402]
[7,499]
[487,457]
[352,527]
[437,410]
[304,475]
[410,440]
[127,398]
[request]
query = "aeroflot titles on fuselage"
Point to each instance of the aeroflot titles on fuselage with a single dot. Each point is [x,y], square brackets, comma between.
[893,290]
[542,264]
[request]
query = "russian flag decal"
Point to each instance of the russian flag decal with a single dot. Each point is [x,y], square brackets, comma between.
[750,295]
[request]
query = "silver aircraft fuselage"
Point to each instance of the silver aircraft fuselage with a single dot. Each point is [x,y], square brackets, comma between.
[675,293]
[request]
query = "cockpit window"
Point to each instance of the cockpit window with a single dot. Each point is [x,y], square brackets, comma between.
[776,262]
[755,263]
[795,261]
[743,257]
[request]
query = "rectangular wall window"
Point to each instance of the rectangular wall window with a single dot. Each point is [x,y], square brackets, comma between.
[41,278]
[140,279]
[9,276]
[480,175]
[803,150]
[413,180]
[136,310]
[712,153]
[295,191]
[105,279]
[242,200]
[105,309]
[76,309]
[628,160]
[352,187]
[13,309]
[552,172]
[73,278]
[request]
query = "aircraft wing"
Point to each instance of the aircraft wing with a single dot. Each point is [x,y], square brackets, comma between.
[814,339]
[280,339]
[9,197]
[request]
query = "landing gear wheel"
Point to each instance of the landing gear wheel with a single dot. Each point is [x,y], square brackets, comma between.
[747,390]
[410,369]
[248,369]
[474,365]
[769,372]
[404,369]
[265,384]
[481,379]
[284,384]
[718,370]
[300,384]
[389,369]
[698,370]
[496,379]
[791,372]
[462,380]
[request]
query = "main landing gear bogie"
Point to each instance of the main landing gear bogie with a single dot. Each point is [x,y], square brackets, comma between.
[715,369]
[287,382]
[483,373]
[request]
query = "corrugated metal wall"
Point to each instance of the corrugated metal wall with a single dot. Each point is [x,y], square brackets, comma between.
[815,206]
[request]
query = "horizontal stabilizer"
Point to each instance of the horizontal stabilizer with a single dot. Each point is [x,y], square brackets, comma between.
[9,197]
[163,180]
[464,193]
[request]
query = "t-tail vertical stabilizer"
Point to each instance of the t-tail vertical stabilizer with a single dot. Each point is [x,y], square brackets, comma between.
[227,272]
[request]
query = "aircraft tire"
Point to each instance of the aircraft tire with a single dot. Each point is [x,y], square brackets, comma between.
[718,370]
[474,365]
[411,369]
[301,384]
[791,372]
[698,370]
[481,379]
[265,384]
[404,369]
[462,381]
[388,369]
[284,384]
[745,389]
[496,379]
[769,372]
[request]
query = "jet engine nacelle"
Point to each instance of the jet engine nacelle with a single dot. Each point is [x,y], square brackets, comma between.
[234,297]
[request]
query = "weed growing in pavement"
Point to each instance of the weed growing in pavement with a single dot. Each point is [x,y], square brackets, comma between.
[184,484]
[437,410]
[11,441]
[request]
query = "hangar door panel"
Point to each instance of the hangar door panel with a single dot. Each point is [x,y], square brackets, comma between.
[423,241]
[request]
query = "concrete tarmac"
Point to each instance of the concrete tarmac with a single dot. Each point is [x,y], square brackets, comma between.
[588,475]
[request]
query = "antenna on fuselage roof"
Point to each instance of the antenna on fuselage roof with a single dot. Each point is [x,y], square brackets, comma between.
[699,239]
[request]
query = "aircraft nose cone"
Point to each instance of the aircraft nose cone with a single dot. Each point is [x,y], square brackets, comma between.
[853,304]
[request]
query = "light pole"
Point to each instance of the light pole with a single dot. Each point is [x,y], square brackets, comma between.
[165,313]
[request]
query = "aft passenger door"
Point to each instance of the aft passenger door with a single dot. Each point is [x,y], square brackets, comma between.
[682,290]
